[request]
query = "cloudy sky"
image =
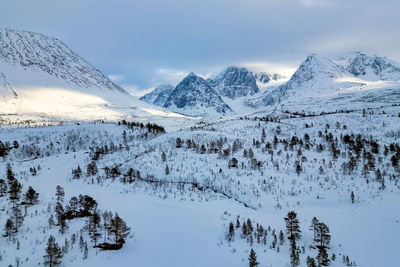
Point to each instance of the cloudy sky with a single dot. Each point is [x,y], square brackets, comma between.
[142,43]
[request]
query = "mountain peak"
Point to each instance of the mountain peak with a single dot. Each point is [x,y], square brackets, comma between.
[194,96]
[235,82]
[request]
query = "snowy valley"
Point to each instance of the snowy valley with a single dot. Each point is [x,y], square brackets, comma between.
[238,169]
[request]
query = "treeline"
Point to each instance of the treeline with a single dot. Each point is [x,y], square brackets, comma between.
[151,127]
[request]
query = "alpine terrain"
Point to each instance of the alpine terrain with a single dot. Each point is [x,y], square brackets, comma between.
[241,168]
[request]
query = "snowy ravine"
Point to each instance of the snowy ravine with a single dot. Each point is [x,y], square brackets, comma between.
[178,191]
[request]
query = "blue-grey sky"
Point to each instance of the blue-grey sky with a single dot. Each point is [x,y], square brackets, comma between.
[142,43]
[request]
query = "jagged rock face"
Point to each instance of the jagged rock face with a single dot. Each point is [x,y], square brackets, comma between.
[263,77]
[380,68]
[235,82]
[193,96]
[34,50]
[159,95]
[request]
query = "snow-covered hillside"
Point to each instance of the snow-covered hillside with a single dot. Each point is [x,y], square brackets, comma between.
[179,191]
[41,79]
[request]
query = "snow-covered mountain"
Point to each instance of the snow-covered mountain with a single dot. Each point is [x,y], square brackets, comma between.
[39,51]
[194,96]
[235,82]
[233,85]
[371,68]
[40,77]
[159,95]
[316,77]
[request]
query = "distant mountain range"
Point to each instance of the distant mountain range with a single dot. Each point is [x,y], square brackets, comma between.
[196,96]
[41,77]
[316,77]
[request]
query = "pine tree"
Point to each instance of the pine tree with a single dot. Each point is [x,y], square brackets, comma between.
[59,210]
[166,170]
[93,227]
[63,225]
[15,191]
[10,174]
[292,226]
[294,255]
[3,187]
[53,253]
[107,216]
[163,156]
[322,237]
[299,169]
[119,229]
[66,246]
[91,169]
[17,217]
[60,194]
[231,232]
[322,257]
[311,262]
[253,259]
[352,197]
[81,242]
[9,228]
[237,222]
[281,238]
[313,226]
[31,196]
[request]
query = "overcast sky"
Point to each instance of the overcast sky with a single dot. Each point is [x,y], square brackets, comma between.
[142,43]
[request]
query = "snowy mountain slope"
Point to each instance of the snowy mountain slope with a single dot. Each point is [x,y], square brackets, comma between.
[42,79]
[38,51]
[371,68]
[159,95]
[194,96]
[235,82]
[316,77]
